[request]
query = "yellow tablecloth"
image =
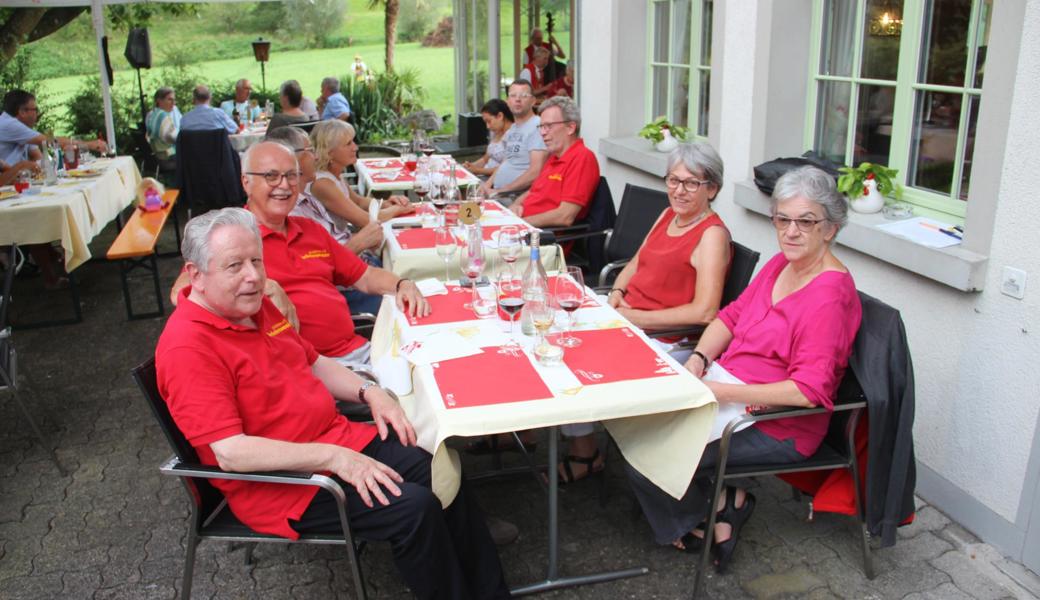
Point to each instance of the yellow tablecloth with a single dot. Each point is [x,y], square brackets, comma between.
[73,210]
[660,424]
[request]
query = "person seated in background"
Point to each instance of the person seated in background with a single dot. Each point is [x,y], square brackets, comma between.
[308,263]
[674,280]
[563,190]
[534,71]
[332,104]
[203,117]
[499,119]
[786,341]
[8,173]
[564,86]
[525,150]
[290,95]
[308,206]
[247,111]
[537,41]
[251,395]
[162,125]
[309,109]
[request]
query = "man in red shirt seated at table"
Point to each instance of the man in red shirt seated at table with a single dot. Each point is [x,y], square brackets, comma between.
[250,394]
[563,190]
[308,263]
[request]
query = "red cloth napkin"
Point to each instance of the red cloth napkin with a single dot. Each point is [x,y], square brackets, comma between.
[447,308]
[497,376]
[609,355]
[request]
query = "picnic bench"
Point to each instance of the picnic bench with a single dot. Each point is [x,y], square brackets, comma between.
[135,247]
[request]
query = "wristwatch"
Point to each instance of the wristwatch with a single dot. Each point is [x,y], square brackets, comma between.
[364,388]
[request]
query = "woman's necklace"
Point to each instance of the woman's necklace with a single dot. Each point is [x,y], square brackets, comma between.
[693,222]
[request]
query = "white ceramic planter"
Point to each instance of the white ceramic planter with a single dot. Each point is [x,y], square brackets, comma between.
[871,201]
[667,144]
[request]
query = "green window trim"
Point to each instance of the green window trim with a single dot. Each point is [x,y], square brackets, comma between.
[697,65]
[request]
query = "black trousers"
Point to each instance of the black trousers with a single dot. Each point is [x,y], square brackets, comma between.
[440,553]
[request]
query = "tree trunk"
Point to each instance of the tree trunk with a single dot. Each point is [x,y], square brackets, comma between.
[15,30]
[390,29]
[55,19]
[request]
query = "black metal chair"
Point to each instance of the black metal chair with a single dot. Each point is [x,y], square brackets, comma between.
[600,219]
[9,358]
[639,210]
[838,451]
[210,516]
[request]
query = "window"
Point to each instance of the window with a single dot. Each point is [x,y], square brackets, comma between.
[898,82]
[680,62]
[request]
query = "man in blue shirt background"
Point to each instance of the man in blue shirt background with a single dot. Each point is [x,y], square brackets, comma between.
[335,104]
[204,117]
[18,139]
[243,89]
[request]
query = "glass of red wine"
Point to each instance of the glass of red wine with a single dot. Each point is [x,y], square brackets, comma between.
[570,293]
[510,300]
[22,181]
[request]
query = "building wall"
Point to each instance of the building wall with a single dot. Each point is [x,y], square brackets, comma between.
[975,354]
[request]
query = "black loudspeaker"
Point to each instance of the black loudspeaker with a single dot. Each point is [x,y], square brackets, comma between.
[138,51]
[472,130]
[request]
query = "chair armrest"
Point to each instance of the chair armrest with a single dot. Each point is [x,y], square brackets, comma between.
[692,330]
[569,237]
[610,268]
[364,318]
[576,227]
[175,467]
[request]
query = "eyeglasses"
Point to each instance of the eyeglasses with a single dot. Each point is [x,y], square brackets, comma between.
[274,178]
[690,185]
[804,225]
[309,150]
[543,127]
[519,96]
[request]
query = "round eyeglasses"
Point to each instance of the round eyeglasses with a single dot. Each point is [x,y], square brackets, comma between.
[274,178]
[690,185]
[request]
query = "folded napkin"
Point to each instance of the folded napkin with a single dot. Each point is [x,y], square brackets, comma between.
[394,373]
[438,346]
[431,287]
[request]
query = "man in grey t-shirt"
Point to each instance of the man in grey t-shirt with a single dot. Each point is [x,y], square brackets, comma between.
[525,150]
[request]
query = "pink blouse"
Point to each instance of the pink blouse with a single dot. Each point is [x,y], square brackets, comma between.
[806,337]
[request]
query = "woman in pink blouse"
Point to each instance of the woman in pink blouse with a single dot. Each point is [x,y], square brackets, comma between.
[785,341]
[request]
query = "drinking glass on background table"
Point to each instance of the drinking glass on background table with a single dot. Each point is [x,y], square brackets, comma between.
[22,181]
[484,299]
[447,246]
[410,162]
[510,300]
[471,260]
[542,315]
[570,293]
[70,153]
[437,198]
[509,247]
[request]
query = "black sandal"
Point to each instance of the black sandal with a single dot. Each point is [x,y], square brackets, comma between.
[590,468]
[735,517]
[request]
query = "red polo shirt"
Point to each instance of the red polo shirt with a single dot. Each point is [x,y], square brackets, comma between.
[572,177]
[309,264]
[221,380]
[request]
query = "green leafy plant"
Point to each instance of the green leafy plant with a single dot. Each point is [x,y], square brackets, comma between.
[852,180]
[379,102]
[654,130]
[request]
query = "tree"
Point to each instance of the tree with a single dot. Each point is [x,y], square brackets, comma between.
[393,7]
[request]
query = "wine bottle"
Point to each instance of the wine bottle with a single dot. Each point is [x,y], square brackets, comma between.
[534,283]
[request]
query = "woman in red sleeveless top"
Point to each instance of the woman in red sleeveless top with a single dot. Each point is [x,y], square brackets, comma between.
[676,277]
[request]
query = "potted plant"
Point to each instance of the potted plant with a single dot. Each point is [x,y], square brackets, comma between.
[663,135]
[867,185]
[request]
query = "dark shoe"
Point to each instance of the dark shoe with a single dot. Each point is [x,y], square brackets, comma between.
[502,532]
[591,469]
[692,543]
[736,517]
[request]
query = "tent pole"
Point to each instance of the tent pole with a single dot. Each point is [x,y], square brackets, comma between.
[97,15]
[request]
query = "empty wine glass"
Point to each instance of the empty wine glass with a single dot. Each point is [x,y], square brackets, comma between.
[509,247]
[447,246]
[542,314]
[471,260]
[569,289]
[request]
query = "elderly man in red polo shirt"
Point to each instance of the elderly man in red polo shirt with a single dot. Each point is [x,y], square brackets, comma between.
[250,394]
[308,263]
[563,190]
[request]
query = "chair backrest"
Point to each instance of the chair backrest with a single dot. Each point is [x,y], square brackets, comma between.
[306,125]
[740,270]
[202,492]
[209,170]
[639,210]
[601,216]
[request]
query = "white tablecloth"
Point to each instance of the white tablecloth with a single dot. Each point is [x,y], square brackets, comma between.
[372,173]
[73,210]
[251,135]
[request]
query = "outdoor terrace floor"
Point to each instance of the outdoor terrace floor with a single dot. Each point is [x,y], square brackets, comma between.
[115,528]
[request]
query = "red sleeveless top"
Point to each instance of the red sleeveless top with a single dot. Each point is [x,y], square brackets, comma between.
[664,276]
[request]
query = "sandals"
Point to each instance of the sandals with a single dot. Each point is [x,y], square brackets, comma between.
[736,517]
[591,469]
[490,445]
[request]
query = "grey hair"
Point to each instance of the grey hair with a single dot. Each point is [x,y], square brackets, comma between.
[815,185]
[332,83]
[699,157]
[247,159]
[201,94]
[198,233]
[293,137]
[162,93]
[241,84]
[568,108]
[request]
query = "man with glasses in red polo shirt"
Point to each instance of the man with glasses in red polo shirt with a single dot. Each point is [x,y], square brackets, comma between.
[563,190]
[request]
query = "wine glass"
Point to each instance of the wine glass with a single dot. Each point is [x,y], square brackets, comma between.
[509,247]
[22,181]
[569,290]
[510,300]
[542,314]
[437,198]
[444,240]
[471,262]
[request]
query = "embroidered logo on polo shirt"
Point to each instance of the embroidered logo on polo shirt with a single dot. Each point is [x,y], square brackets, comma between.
[278,328]
[555,177]
[315,254]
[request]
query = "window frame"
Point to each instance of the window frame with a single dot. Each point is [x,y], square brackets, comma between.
[695,66]
[907,88]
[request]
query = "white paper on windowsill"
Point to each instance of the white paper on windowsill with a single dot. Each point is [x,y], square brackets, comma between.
[923,231]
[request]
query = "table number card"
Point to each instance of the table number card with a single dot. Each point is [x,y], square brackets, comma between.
[469,212]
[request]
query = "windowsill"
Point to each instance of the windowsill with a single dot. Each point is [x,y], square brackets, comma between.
[635,152]
[953,266]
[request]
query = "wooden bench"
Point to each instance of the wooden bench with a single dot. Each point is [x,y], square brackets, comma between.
[135,247]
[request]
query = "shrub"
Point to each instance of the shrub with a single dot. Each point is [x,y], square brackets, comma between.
[416,20]
[379,102]
[86,113]
[442,36]
[17,74]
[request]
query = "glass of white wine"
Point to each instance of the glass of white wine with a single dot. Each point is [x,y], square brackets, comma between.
[447,246]
[542,315]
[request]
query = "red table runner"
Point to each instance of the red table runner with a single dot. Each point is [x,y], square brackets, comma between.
[447,308]
[497,376]
[609,355]
[424,238]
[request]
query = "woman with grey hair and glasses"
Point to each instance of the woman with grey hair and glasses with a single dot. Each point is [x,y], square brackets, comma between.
[674,280]
[785,341]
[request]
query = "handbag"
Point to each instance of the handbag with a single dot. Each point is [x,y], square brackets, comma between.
[767,173]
